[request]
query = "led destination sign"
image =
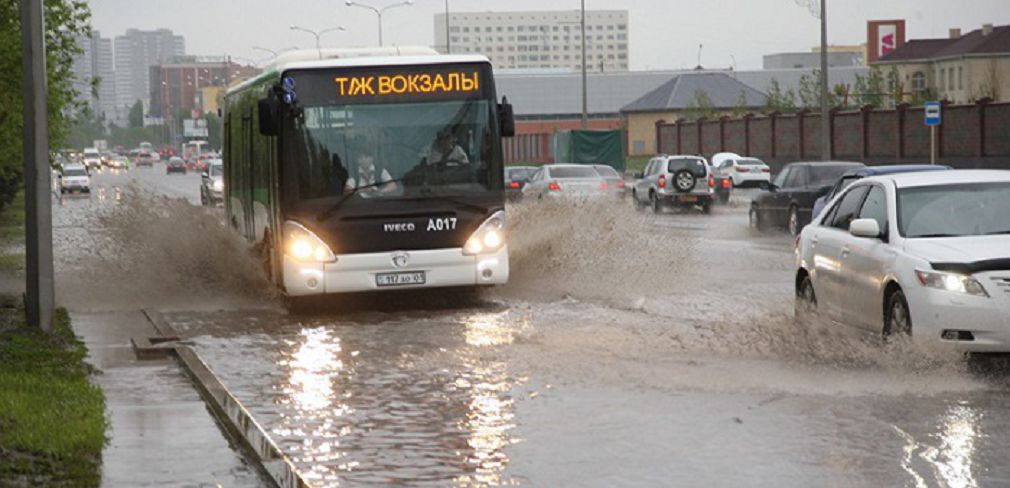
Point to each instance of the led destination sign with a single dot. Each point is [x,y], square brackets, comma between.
[393,84]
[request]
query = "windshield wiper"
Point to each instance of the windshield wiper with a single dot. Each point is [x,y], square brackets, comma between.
[346,196]
[999,232]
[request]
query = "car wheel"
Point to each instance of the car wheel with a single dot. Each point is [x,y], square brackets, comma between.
[897,319]
[724,197]
[638,203]
[203,198]
[707,207]
[755,220]
[657,205]
[794,221]
[806,302]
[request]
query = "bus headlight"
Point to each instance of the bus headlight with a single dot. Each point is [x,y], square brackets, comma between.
[301,244]
[489,237]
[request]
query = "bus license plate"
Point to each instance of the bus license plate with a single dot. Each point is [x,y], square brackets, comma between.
[400,279]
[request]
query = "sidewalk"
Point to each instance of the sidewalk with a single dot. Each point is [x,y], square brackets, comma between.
[161,432]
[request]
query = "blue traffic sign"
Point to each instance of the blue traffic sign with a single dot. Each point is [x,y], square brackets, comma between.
[932,110]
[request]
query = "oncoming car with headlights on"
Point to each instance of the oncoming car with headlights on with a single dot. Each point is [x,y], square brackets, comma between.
[369,170]
[922,254]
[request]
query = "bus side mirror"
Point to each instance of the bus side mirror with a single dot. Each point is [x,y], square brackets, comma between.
[267,117]
[507,118]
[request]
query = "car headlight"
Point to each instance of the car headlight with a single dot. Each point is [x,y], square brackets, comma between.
[953,282]
[218,185]
[489,237]
[301,244]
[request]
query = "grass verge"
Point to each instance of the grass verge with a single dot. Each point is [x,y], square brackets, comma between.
[52,418]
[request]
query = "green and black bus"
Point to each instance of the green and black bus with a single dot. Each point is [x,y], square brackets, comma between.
[370,171]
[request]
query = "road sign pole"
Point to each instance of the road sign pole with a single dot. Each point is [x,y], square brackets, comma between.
[932,144]
[39,287]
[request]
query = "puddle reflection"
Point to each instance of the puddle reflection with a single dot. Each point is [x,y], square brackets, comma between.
[361,405]
[953,460]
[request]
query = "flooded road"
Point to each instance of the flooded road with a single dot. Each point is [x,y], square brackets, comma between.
[627,350]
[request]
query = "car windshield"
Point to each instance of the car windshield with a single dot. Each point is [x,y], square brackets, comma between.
[75,172]
[607,172]
[954,210]
[826,175]
[91,155]
[519,173]
[563,172]
[216,169]
[750,162]
[427,148]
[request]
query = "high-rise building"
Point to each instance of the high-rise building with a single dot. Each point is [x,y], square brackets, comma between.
[95,62]
[136,52]
[538,39]
[179,86]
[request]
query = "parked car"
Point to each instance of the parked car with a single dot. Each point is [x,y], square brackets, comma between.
[175,165]
[742,171]
[789,201]
[515,179]
[924,254]
[556,180]
[74,178]
[614,180]
[681,181]
[212,183]
[853,176]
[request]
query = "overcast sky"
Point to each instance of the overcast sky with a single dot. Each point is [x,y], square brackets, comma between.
[663,33]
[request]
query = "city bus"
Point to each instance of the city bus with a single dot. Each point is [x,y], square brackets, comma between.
[361,171]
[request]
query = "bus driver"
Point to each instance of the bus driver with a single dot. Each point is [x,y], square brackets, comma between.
[367,179]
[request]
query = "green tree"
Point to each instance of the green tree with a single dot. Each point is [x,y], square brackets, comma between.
[137,114]
[779,101]
[741,108]
[810,92]
[871,89]
[64,21]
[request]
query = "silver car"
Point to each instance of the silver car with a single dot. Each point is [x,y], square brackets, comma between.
[680,181]
[212,184]
[573,180]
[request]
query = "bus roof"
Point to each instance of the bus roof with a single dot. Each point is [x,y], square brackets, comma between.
[357,57]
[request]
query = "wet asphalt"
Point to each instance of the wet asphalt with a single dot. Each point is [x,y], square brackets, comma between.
[629,349]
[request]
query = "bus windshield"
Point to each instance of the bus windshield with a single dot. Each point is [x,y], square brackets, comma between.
[390,150]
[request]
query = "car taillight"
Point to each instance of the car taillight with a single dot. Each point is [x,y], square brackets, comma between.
[552,186]
[604,185]
[514,185]
[741,169]
[725,183]
[711,182]
[766,170]
[662,181]
[620,184]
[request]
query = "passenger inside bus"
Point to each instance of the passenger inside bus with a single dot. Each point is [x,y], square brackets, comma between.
[370,177]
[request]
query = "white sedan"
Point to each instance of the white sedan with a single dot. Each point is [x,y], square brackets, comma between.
[566,180]
[742,171]
[921,254]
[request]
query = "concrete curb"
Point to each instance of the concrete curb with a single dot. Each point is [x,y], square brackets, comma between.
[232,414]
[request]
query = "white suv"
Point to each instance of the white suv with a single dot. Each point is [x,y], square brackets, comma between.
[681,181]
[921,254]
[74,178]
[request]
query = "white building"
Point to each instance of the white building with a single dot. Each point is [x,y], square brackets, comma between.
[136,52]
[538,39]
[95,61]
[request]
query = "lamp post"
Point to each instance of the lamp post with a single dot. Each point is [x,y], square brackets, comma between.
[272,52]
[380,11]
[585,97]
[819,9]
[448,43]
[317,35]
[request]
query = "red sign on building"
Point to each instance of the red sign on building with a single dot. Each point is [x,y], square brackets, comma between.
[883,37]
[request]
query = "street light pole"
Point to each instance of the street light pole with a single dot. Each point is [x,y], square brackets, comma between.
[380,11]
[448,43]
[317,35]
[585,97]
[39,281]
[825,124]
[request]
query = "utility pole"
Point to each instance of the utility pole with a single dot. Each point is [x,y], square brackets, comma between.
[39,286]
[379,11]
[825,123]
[585,96]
